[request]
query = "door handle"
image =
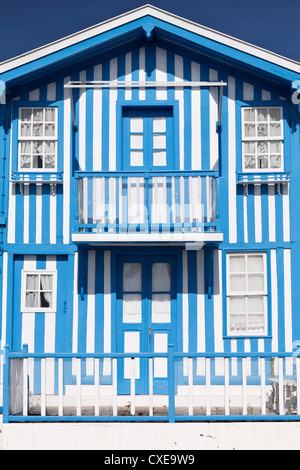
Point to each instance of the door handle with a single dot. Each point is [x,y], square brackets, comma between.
[149,332]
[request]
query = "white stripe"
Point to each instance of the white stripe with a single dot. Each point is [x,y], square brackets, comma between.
[272,220]
[90,327]
[200,311]
[67,157]
[82,122]
[107,312]
[274,298]
[245,215]
[113,95]
[39,208]
[51,92]
[52,218]
[257,211]
[213,118]
[97,122]
[179,96]
[142,72]
[26,214]
[196,118]
[28,319]
[218,314]
[185,307]
[161,72]
[232,161]
[287,300]
[11,214]
[4,297]
[286,212]
[49,334]
[233,345]
[128,74]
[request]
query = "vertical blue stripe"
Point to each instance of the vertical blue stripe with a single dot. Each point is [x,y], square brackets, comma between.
[205,143]
[46,221]
[187,116]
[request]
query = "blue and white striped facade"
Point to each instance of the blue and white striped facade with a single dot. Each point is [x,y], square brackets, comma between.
[256,212]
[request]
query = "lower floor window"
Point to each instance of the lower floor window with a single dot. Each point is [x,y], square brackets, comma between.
[39,289]
[246,294]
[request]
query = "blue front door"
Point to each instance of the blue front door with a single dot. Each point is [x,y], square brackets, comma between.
[146,318]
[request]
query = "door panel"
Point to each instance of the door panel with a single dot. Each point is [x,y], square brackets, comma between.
[146,317]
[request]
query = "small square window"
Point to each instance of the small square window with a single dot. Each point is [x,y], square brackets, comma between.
[39,291]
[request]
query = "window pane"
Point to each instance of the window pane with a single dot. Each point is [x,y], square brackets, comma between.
[250,130]
[25,130]
[136,124]
[38,115]
[249,115]
[275,129]
[256,323]
[262,130]
[249,161]
[49,115]
[136,141]
[159,124]
[237,305]
[275,146]
[32,282]
[31,299]
[132,277]
[49,130]
[275,114]
[161,277]
[255,282]
[46,299]
[49,161]
[262,114]
[237,323]
[262,147]
[136,158]
[237,282]
[159,141]
[132,308]
[46,282]
[37,130]
[161,308]
[256,304]
[249,147]
[159,158]
[25,161]
[275,161]
[262,162]
[26,114]
[37,161]
[255,264]
[237,264]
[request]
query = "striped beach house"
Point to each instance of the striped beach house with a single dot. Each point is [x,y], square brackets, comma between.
[149,226]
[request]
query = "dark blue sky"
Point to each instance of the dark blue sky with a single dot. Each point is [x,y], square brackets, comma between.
[271,24]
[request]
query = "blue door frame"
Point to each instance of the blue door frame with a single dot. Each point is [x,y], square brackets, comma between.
[146,328]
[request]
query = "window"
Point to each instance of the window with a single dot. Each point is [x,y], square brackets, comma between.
[246,294]
[262,134]
[148,138]
[39,291]
[37,139]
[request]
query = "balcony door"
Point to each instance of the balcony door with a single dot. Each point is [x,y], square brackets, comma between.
[147,139]
[146,318]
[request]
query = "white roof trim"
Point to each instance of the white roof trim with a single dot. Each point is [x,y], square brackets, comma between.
[159,14]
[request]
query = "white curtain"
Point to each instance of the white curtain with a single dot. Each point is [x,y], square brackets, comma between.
[46,285]
[31,285]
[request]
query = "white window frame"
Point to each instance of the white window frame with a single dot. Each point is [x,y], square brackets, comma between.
[42,139]
[231,294]
[25,309]
[268,138]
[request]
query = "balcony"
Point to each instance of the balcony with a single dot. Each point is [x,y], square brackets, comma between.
[148,207]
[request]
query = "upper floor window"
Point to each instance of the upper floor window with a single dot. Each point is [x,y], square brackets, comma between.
[246,294]
[37,139]
[262,134]
[148,138]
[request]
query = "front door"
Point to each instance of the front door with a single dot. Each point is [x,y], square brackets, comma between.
[146,318]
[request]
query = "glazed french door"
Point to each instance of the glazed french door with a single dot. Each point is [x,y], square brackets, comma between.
[146,318]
